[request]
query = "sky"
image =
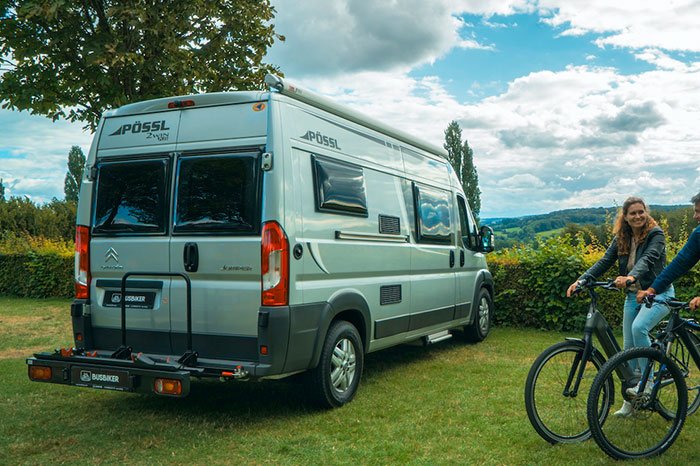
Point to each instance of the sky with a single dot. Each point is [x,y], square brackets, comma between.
[565,103]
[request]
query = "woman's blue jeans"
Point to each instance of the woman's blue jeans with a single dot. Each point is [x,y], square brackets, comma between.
[637,323]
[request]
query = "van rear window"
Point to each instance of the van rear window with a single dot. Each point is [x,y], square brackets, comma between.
[131,197]
[217,194]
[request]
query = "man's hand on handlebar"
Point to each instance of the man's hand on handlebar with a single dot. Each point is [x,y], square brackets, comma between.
[694,303]
[641,294]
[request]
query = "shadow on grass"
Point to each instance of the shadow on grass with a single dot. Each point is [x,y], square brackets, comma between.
[253,402]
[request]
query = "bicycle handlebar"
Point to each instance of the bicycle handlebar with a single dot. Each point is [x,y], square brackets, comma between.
[671,303]
[588,284]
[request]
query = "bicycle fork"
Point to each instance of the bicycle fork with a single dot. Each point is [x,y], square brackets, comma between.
[578,366]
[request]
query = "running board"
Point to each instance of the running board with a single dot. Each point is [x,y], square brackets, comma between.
[436,337]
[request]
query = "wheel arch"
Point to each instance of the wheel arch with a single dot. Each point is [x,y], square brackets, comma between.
[348,305]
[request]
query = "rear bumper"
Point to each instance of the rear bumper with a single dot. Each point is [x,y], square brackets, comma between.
[290,336]
[108,374]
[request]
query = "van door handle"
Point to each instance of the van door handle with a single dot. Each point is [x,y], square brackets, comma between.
[452,258]
[461,257]
[190,256]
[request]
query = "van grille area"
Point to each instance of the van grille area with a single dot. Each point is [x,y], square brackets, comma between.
[389,225]
[390,294]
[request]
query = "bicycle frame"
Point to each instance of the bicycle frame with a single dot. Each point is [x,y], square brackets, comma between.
[598,326]
[676,327]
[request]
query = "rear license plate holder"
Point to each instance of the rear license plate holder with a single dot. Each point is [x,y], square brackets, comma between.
[134,299]
[105,379]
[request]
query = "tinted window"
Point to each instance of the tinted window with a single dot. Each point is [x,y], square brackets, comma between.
[340,188]
[217,194]
[131,197]
[433,208]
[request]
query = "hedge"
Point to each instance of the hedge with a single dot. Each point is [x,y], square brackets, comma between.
[37,275]
[531,285]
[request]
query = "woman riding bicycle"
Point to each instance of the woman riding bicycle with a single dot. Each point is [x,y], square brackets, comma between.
[639,246]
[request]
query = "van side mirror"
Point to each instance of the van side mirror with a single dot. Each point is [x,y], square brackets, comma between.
[486,239]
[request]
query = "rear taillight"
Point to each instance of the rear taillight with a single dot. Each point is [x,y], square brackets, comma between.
[167,387]
[82,262]
[40,373]
[275,265]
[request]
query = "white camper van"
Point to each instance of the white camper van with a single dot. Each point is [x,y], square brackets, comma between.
[258,235]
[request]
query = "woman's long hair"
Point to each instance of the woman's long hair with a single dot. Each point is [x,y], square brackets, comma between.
[623,230]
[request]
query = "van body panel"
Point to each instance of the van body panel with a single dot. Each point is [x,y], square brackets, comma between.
[223,122]
[110,259]
[153,129]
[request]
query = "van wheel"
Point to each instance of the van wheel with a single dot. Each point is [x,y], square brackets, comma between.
[483,317]
[337,376]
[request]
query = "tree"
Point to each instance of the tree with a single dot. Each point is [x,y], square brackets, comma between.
[73,60]
[2,191]
[74,175]
[461,157]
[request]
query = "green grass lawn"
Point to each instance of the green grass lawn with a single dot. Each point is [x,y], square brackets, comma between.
[448,403]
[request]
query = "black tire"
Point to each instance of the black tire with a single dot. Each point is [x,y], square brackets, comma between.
[337,376]
[560,418]
[681,356]
[646,431]
[479,329]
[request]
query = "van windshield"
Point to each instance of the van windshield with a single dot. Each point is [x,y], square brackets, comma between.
[217,193]
[131,197]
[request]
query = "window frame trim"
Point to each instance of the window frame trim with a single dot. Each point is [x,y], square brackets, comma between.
[317,159]
[167,158]
[257,221]
[420,238]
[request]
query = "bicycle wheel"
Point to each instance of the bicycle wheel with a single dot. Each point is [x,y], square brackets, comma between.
[681,356]
[658,413]
[556,415]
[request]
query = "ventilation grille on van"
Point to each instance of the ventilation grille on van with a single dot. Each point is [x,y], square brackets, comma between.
[389,225]
[390,294]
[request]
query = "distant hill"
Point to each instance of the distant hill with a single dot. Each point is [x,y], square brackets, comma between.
[526,229]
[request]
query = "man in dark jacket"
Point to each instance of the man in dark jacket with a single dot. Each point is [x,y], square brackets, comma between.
[681,264]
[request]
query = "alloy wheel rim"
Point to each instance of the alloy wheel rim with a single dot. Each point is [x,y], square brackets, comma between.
[484,315]
[343,364]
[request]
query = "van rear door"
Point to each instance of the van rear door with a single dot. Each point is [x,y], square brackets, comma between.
[130,229]
[216,241]
[129,234]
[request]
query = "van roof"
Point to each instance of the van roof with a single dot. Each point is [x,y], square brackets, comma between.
[284,87]
[200,100]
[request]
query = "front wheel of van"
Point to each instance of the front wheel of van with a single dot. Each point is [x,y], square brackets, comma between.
[337,376]
[483,317]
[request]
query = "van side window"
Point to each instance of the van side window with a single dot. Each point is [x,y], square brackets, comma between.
[217,194]
[131,197]
[433,214]
[339,187]
[469,236]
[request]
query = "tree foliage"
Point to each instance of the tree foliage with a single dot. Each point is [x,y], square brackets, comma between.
[461,157]
[74,175]
[73,60]
[2,191]
[19,217]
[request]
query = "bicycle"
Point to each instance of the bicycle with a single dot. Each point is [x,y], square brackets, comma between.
[566,369]
[662,399]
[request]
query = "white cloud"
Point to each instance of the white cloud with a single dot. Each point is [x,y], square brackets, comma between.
[661,60]
[629,23]
[328,38]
